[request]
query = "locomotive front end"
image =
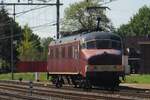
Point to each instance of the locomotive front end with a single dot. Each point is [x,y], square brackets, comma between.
[104,60]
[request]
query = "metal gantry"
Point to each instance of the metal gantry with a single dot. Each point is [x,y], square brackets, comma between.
[57,4]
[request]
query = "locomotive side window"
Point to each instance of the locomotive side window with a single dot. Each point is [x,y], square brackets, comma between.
[91,44]
[76,52]
[51,53]
[63,52]
[56,53]
[70,52]
[59,52]
[48,52]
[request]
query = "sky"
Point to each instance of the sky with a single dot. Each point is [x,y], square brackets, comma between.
[122,10]
[42,21]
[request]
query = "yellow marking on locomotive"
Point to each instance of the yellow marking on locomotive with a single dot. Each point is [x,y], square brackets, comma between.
[105,68]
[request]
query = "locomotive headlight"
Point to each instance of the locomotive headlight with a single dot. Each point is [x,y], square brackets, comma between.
[86,68]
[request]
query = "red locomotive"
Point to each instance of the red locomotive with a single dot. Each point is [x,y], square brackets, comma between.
[84,60]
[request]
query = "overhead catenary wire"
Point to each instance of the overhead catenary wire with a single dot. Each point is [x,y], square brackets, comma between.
[8,37]
[32,9]
[36,8]
[46,24]
[8,22]
[43,25]
[38,26]
[23,12]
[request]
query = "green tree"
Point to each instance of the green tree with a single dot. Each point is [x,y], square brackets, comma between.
[45,42]
[78,18]
[139,24]
[29,49]
[8,26]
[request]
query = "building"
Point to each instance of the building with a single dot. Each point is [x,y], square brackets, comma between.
[139,53]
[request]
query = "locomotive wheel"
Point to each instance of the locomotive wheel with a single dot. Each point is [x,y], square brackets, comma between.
[75,85]
[53,81]
[85,84]
[58,84]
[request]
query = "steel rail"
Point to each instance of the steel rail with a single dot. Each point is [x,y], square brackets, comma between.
[9,95]
[144,92]
[71,95]
[77,94]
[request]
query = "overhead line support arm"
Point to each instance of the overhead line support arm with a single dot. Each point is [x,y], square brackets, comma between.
[51,4]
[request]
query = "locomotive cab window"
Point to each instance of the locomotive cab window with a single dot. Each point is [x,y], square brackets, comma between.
[83,45]
[103,44]
[116,44]
[98,44]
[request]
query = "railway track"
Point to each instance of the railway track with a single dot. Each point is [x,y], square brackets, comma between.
[8,95]
[49,93]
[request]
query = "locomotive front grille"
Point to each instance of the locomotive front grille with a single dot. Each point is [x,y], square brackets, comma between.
[105,59]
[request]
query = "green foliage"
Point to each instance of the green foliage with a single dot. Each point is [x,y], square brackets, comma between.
[29,49]
[7,27]
[3,65]
[139,24]
[24,76]
[77,18]
[137,78]
[45,42]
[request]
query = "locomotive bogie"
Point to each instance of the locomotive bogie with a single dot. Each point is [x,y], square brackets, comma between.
[106,79]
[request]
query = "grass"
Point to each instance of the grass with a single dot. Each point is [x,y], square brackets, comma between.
[138,78]
[24,76]
[133,78]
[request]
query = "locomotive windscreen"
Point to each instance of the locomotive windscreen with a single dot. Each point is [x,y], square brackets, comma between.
[106,42]
[103,44]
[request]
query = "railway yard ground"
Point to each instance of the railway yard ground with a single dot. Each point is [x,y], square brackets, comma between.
[132,78]
[136,87]
[15,90]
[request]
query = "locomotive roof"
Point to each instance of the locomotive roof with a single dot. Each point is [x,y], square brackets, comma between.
[86,37]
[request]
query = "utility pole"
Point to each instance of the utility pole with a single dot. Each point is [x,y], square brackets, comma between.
[58,14]
[12,51]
